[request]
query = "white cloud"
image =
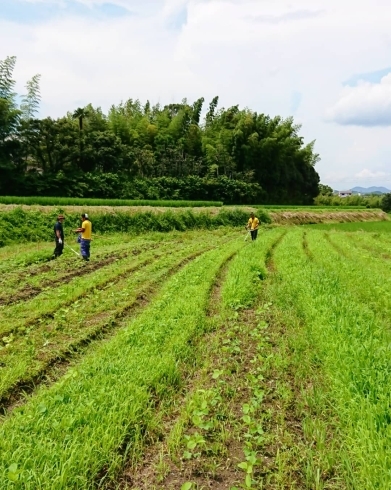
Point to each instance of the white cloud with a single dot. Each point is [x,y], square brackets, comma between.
[249,52]
[366,174]
[367,104]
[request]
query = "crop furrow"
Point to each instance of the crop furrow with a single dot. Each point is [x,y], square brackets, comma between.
[53,367]
[306,249]
[234,289]
[336,247]
[29,292]
[19,329]
[23,316]
[372,249]
[105,401]
[270,252]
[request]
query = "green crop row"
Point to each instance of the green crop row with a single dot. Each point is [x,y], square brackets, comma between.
[339,299]
[30,257]
[79,201]
[27,354]
[24,314]
[368,226]
[65,435]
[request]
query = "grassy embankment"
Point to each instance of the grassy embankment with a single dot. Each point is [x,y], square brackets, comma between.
[33,224]
[92,202]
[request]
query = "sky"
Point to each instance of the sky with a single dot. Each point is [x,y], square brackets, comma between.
[327,63]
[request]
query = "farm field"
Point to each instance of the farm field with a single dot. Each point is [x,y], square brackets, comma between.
[193,360]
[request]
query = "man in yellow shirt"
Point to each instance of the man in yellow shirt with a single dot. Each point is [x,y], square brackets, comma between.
[85,239]
[252,225]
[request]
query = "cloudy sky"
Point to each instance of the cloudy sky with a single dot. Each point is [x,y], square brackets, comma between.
[326,62]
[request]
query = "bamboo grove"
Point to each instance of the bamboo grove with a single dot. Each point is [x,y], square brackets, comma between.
[142,151]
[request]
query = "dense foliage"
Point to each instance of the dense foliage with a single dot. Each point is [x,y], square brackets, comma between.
[368,200]
[386,203]
[151,152]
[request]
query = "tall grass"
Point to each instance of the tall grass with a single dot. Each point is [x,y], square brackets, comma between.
[21,226]
[81,201]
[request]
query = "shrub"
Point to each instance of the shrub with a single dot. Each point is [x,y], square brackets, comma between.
[386,203]
[263,216]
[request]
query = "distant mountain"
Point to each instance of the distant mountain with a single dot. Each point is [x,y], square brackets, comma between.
[370,190]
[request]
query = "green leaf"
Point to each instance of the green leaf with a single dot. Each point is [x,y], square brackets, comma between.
[187,486]
[252,459]
[42,408]
[217,373]
[13,473]
[246,408]
[197,421]
[13,476]
[248,481]
[243,465]
[247,419]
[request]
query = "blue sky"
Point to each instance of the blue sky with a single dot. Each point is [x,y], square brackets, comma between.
[312,59]
[371,77]
[22,11]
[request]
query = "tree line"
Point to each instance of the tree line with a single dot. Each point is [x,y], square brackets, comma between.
[149,151]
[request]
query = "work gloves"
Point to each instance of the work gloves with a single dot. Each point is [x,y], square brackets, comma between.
[60,241]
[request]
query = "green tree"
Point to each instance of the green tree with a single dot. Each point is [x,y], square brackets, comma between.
[80,114]
[31,101]
[325,190]
[10,146]
[386,203]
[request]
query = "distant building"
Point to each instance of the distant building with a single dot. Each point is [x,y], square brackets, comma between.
[344,193]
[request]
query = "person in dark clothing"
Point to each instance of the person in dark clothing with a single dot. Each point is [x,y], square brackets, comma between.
[59,236]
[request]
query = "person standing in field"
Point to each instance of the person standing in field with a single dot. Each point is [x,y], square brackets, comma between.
[252,225]
[85,239]
[58,236]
